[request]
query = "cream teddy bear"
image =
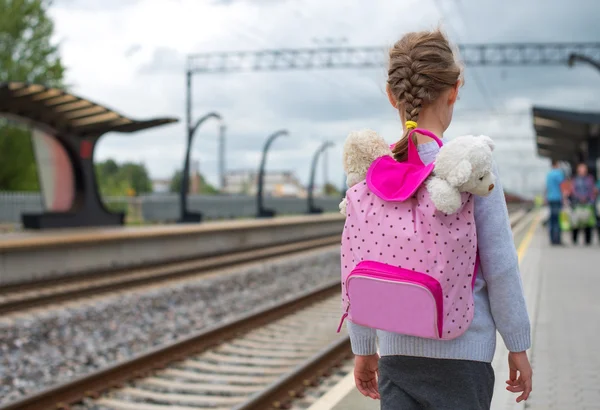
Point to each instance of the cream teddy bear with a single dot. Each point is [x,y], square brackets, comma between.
[462,165]
[360,150]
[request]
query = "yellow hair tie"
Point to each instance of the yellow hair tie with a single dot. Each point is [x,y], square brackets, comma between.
[410,125]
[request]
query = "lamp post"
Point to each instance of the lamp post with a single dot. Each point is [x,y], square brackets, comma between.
[573,57]
[261,211]
[186,216]
[222,130]
[312,209]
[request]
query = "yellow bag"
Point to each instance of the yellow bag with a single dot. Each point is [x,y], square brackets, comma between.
[564,220]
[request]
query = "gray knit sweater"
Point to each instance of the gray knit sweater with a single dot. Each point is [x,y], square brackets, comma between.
[498,293]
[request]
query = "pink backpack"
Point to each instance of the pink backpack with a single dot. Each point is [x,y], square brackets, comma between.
[406,267]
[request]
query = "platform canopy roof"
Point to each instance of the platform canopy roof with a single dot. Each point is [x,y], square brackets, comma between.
[66,113]
[565,135]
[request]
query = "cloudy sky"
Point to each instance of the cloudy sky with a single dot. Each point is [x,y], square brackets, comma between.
[130,55]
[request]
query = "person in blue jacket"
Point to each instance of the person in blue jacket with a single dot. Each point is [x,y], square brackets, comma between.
[554,198]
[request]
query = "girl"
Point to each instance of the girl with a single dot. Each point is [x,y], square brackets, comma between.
[418,373]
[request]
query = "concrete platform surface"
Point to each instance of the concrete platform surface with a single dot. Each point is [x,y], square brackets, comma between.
[566,352]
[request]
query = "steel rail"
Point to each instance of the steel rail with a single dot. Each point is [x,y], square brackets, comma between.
[66,394]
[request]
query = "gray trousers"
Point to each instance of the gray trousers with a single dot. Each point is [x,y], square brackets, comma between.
[415,383]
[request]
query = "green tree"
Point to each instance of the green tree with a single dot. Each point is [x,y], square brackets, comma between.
[112,186]
[175,184]
[26,54]
[137,176]
[18,171]
[108,168]
[117,180]
[331,190]
[205,187]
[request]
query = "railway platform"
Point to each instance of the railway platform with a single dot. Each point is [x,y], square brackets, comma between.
[561,285]
[27,257]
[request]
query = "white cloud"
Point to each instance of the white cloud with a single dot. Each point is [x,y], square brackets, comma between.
[130,55]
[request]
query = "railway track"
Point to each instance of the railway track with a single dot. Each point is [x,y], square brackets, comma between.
[21,297]
[260,361]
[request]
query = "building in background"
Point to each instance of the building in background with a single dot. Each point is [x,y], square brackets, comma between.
[276,183]
[161,186]
[195,180]
[245,182]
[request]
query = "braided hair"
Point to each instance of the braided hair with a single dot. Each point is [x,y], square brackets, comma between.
[421,66]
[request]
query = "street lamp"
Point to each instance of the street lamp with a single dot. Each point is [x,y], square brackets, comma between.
[573,57]
[261,211]
[185,215]
[312,209]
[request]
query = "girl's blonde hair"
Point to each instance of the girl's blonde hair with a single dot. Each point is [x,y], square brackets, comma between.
[422,66]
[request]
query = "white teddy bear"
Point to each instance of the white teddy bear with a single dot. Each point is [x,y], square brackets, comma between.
[462,165]
[360,150]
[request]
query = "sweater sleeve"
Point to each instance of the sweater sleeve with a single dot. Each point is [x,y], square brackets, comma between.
[500,269]
[363,339]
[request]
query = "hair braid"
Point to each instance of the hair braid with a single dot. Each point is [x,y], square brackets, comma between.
[422,65]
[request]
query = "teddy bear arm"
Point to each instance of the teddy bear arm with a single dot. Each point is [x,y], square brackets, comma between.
[343,206]
[444,196]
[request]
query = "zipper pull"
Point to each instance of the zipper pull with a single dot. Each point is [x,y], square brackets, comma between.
[344,316]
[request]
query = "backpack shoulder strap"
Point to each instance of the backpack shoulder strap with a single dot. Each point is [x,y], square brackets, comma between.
[413,154]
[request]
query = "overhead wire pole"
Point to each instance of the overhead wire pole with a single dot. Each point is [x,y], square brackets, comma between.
[184,215]
[325,176]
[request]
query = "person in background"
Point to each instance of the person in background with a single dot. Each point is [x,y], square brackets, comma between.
[598,206]
[583,199]
[554,198]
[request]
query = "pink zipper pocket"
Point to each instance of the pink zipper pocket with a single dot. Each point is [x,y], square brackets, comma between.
[394,299]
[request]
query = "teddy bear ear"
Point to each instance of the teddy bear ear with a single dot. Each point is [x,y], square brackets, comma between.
[489,141]
[460,174]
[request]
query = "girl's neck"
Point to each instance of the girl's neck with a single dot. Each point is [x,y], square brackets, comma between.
[433,126]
